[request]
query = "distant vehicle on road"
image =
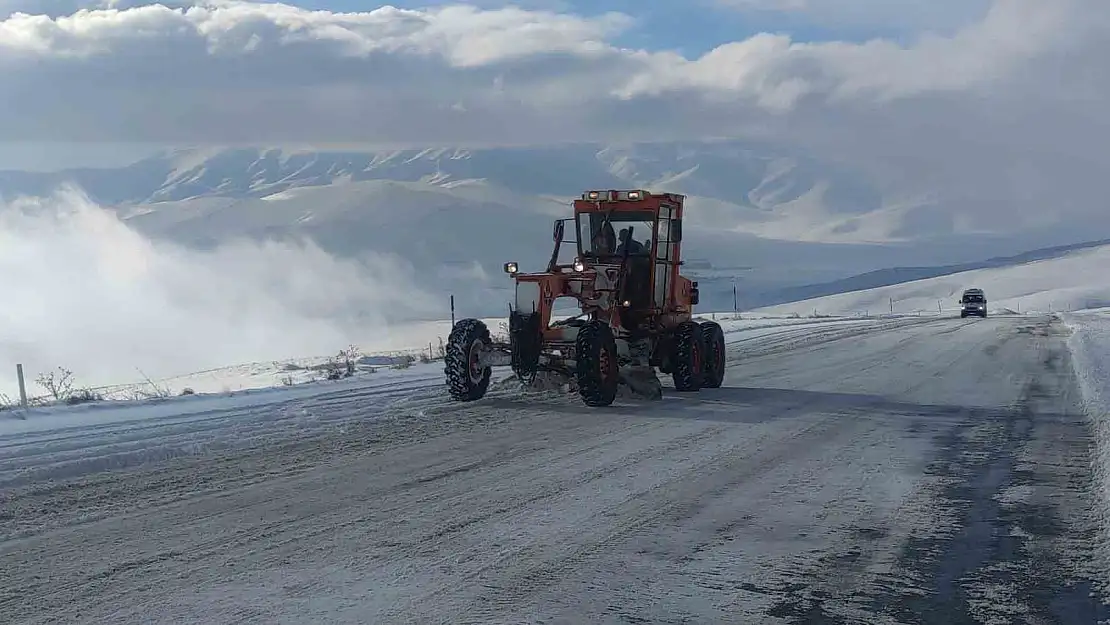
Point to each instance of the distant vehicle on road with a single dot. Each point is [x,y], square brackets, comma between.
[973,302]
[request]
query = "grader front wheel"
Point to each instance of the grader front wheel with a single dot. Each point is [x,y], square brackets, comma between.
[467,377]
[597,370]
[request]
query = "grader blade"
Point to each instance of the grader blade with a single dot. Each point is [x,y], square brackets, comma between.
[642,382]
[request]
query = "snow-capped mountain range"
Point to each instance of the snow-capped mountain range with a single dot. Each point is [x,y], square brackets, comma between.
[735,173]
[758,217]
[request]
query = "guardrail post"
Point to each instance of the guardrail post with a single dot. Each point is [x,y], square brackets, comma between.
[22,386]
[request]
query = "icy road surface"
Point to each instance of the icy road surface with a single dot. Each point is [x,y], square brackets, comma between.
[898,471]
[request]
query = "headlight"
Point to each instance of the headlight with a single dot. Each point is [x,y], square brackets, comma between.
[579,265]
[511,268]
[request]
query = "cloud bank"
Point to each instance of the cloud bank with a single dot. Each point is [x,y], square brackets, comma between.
[254,72]
[84,291]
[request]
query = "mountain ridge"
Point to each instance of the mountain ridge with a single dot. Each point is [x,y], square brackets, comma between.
[755,182]
[788,226]
[733,186]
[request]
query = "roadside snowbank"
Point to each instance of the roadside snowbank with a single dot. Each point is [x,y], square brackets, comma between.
[63,441]
[417,340]
[252,385]
[201,405]
[1090,348]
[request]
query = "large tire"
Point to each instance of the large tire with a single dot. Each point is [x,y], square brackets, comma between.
[597,369]
[714,338]
[688,359]
[466,380]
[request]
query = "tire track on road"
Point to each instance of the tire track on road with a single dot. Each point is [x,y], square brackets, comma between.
[993,551]
[523,572]
[791,338]
[271,538]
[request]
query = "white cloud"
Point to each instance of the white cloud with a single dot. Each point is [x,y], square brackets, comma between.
[84,291]
[962,113]
[460,35]
[253,69]
[246,71]
[777,72]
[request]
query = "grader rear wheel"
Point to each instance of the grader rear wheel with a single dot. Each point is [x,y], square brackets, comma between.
[714,338]
[688,360]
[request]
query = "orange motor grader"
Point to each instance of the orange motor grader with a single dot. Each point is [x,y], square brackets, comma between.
[635,310]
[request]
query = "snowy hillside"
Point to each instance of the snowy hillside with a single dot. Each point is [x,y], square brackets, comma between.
[735,187]
[897,275]
[453,216]
[744,175]
[1073,281]
[460,233]
[759,220]
[455,237]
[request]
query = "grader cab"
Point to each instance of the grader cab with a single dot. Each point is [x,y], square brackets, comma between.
[634,309]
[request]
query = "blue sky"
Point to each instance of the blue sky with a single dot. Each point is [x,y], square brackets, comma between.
[694,27]
[691,27]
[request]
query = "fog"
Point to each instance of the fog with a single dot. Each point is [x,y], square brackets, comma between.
[84,291]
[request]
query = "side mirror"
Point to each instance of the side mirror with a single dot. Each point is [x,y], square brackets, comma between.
[676,231]
[557,230]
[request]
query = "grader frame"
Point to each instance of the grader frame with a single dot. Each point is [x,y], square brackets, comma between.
[635,309]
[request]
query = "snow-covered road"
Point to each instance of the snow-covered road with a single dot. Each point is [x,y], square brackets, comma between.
[883,471]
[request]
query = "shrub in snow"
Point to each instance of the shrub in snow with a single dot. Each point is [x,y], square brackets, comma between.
[83,396]
[58,384]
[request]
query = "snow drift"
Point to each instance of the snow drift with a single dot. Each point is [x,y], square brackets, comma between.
[1090,348]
